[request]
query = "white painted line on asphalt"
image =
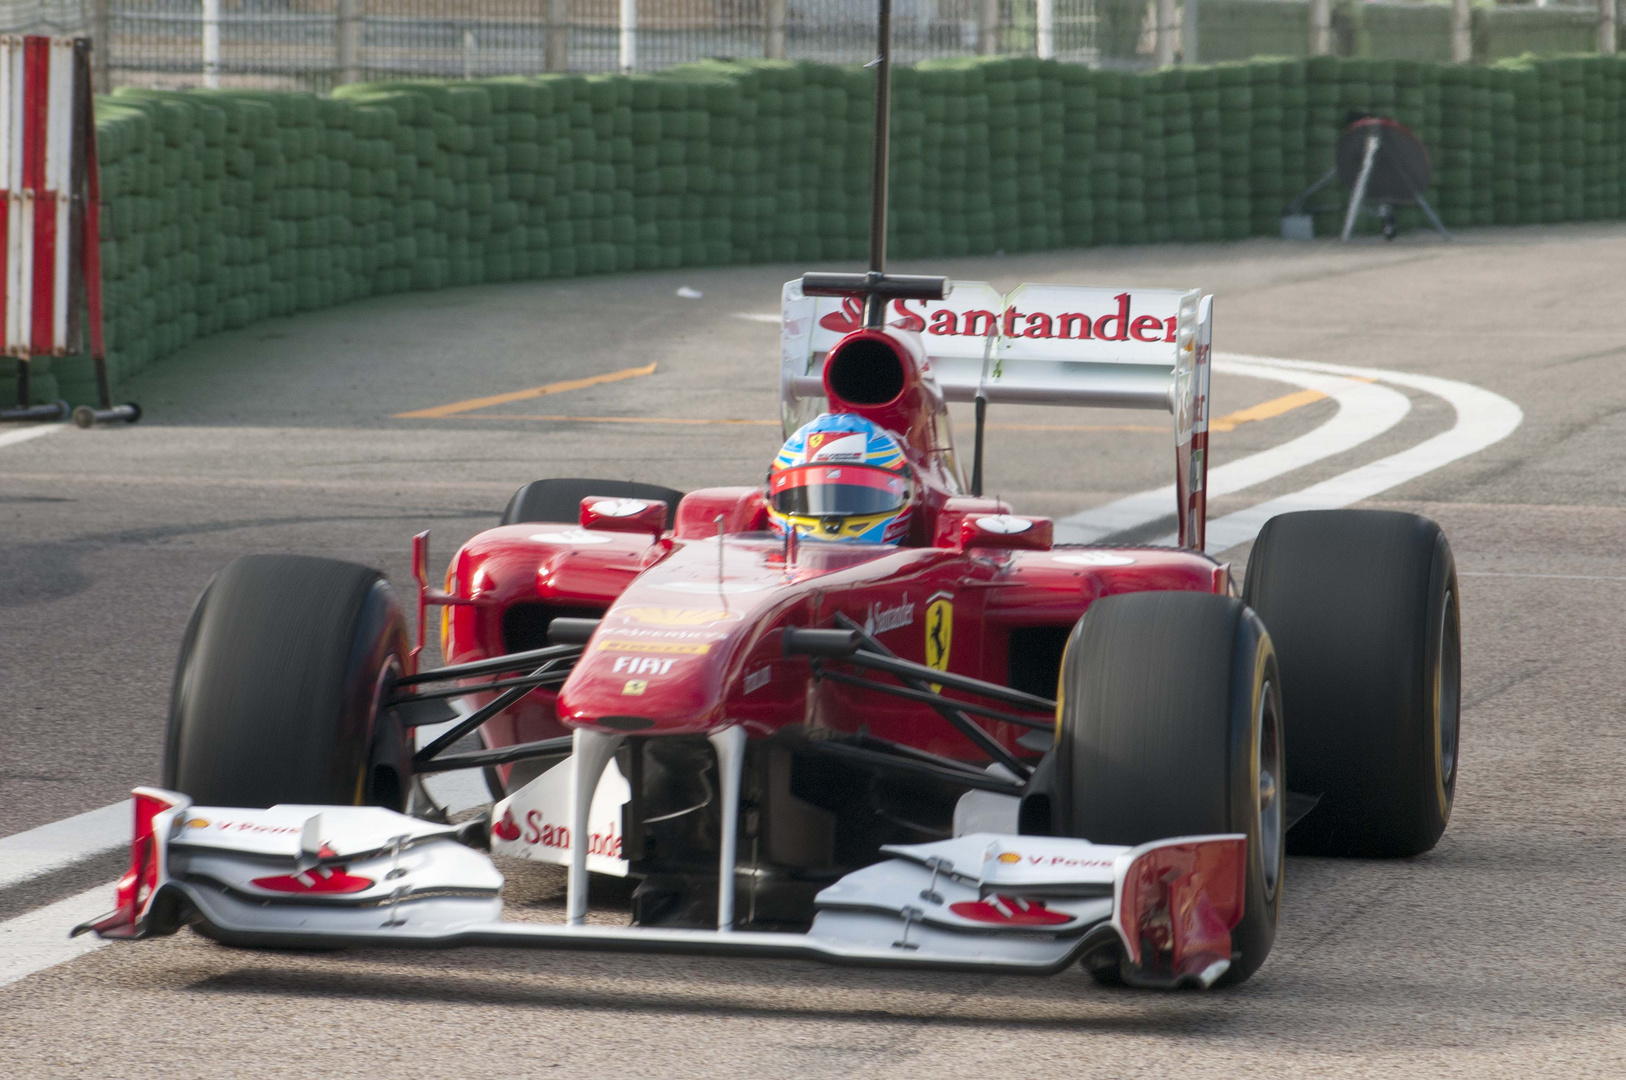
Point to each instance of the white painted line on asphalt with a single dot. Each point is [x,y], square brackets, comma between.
[1365,411]
[758,316]
[39,939]
[12,438]
[1553,577]
[1483,419]
[62,843]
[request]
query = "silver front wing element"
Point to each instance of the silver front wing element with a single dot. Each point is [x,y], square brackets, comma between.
[305,876]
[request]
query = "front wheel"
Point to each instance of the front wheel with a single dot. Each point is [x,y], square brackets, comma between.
[1171,725]
[278,687]
[1363,606]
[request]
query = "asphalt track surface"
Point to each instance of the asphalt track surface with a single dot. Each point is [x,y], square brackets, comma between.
[1501,953]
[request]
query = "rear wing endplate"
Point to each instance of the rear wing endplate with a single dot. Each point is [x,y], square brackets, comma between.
[1040,345]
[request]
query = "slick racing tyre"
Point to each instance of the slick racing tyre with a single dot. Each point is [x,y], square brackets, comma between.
[283,667]
[1170,725]
[1362,605]
[560,499]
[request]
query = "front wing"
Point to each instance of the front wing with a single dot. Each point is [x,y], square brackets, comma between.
[310,876]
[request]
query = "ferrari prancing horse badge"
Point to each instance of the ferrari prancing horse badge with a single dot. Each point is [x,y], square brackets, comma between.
[939,630]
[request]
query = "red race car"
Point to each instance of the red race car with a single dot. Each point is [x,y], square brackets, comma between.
[859,713]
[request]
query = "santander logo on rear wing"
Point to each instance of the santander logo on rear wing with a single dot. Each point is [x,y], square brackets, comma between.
[1039,345]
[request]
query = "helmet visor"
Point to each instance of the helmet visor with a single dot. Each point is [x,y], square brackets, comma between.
[846,490]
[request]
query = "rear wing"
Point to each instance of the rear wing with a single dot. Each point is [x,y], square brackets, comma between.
[1040,345]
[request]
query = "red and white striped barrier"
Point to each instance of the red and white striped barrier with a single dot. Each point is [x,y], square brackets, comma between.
[49,231]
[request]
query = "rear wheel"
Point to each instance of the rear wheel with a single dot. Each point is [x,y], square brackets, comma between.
[1171,725]
[283,667]
[1363,607]
[560,499]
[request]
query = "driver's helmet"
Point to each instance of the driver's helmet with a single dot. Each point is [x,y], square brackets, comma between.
[841,477]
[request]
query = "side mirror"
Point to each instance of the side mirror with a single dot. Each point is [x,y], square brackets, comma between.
[1007,532]
[624,515]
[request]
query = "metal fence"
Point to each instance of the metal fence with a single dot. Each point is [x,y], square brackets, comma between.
[315,44]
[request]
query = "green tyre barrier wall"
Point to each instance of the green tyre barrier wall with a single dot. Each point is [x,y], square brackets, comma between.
[225,208]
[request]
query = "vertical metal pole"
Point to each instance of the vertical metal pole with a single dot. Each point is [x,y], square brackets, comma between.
[875,306]
[773,46]
[1188,35]
[629,35]
[101,29]
[1320,27]
[558,43]
[1462,40]
[1044,38]
[1606,27]
[349,42]
[211,44]
[1165,33]
[988,29]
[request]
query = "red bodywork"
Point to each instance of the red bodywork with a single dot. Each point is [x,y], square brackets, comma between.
[690,637]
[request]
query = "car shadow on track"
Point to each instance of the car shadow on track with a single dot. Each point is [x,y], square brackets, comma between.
[695,1001]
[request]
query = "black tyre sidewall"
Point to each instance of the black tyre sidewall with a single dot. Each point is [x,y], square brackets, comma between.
[1354,600]
[1253,677]
[177,690]
[277,688]
[1202,776]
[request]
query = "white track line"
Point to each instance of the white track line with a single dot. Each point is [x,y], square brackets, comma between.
[12,438]
[1551,577]
[1365,411]
[62,843]
[40,940]
[1483,419]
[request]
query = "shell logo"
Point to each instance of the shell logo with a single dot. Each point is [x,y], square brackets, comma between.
[198,823]
[1009,857]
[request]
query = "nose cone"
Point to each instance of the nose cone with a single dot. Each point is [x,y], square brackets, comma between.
[668,651]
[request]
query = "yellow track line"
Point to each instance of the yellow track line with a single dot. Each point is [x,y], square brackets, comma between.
[1229,422]
[456,407]
[565,418]
[1078,427]
[561,417]
[1265,410]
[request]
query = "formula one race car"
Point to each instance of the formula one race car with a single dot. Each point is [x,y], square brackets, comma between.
[861,713]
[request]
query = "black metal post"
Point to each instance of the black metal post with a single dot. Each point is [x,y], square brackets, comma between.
[976,454]
[875,306]
[494,666]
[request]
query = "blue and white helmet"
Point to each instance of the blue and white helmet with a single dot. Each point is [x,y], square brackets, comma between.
[841,477]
